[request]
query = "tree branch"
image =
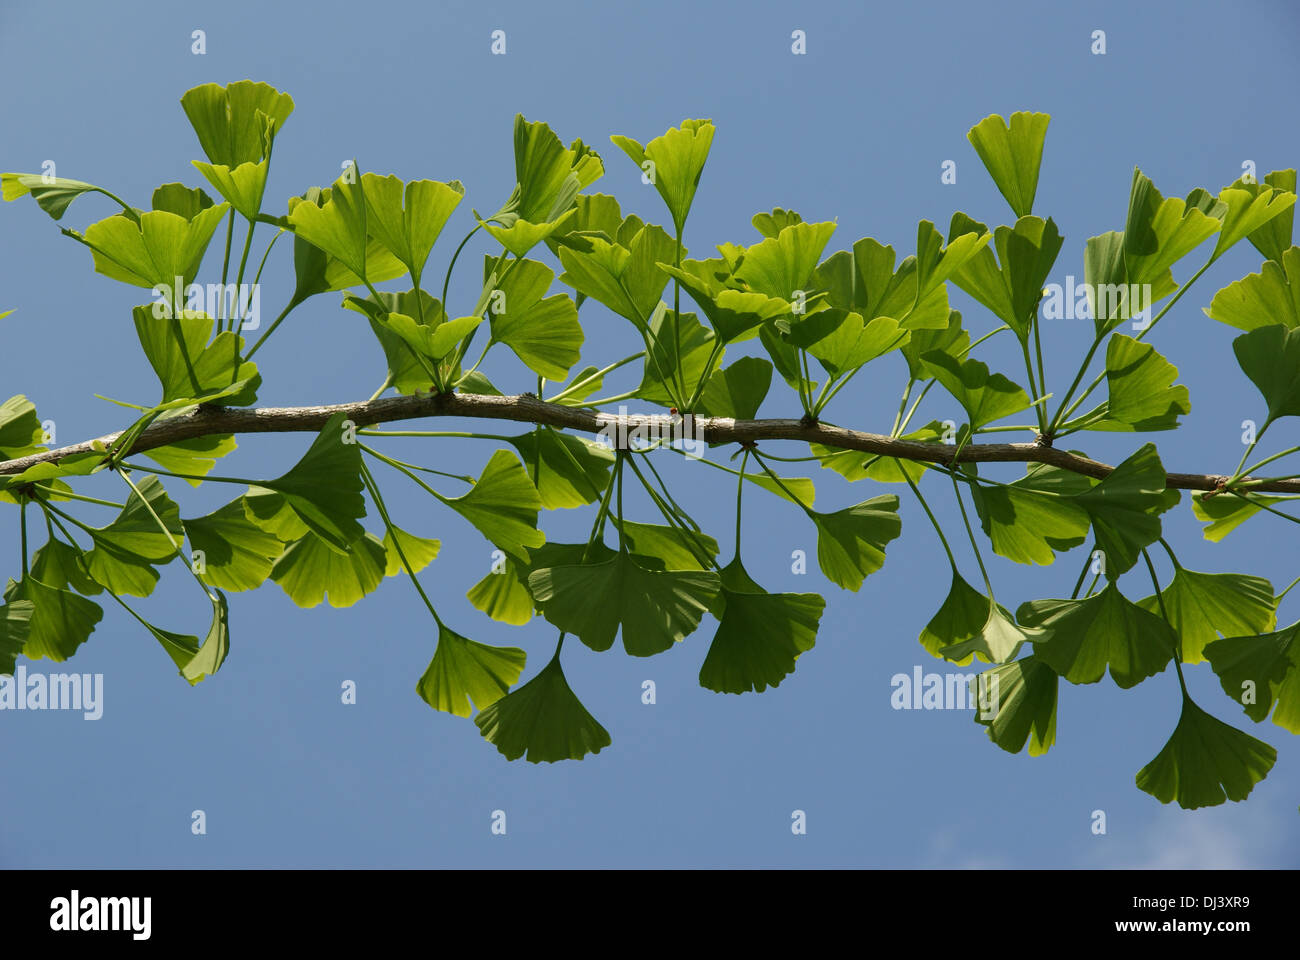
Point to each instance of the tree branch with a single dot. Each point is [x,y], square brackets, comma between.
[526,408]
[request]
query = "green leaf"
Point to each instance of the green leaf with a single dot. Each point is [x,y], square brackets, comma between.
[243,186]
[1158,232]
[679,345]
[463,670]
[52,194]
[984,397]
[188,367]
[237,554]
[542,331]
[1270,356]
[1225,513]
[323,489]
[1142,392]
[154,251]
[655,609]
[1027,520]
[60,620]
[58,564]
[233,122]
[572,471]
[419,551]
[1262,299]
[1203,605]
[1026,254]
[21,433]
[1259,671]
[625,278]
[934,266]
[196,455]
[310,568]
[1025,707]
[1274,237]
[125,549]
[771,224]
[522,235]
[853,343]
[503,594]
[318,272]
[407,221]
[737,391]
[542,721]
[15,627]
[1125,508]
[952,340]
[503,505]
[998,639]
[1249,208]
[866,283]
[181,200]
[1080,638]
[1204,761]
[195,661]
[678,549]
[851,542]
[678,157]
[338,227]
[760,635]
[1012,152]
[733,314]
[1105,282]
[854,465]
[548,175]
[780,265]
[962,615]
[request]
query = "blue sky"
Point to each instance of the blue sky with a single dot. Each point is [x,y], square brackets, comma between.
[854,130]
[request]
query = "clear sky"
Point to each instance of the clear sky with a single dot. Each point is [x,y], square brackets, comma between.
[856,130]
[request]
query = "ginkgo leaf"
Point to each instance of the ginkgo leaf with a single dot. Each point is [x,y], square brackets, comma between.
[338,227]
[1262,299]
[855,465]
[1079,639]
[851,542]
[418,551]
[542,331]
[156,249]
[1205,762]
[1249,208]
[1011,284]
[733,314]
[1225,513]
[310,569]
[503,505]
[1200,606]
[760,635]
[318,272]
[653,608]
[853,343]
[624,277]
[190,368]
[568,471]
[181,200]
[936,262]
[1012,151]
[242,186]
[463,670]
[126,548]
[60,620]
[780,265]
[678,549]
[232,121]
[542,721]
[235,553]
[738,391]
[1027,520]
[681,348]
[548,175]
[522,235]
[52,194]
[1142,392]
[1274,237]
[1017,702]
[15,627]
[1260,671]
[1270,356]
[985,397]
[1158,232]
[988,632]
[21,433]
[770,224]
[323,489]
[866,282]
[195,660]
[676,162]
[408,220]
[58,564]
[503,594]
[197,455]
[1125,508]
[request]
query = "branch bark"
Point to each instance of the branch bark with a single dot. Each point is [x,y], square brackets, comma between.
[527,408]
